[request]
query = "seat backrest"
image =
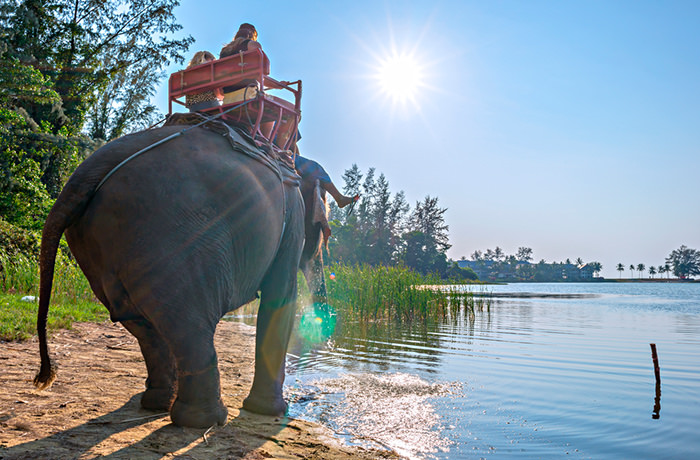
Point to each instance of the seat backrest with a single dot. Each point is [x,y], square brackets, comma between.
[238,70]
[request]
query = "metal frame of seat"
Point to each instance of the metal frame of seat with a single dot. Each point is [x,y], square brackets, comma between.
[266,117]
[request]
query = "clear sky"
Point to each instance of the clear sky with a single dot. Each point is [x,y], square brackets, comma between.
[570,127]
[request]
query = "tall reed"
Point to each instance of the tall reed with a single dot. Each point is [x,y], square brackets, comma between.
[371,293]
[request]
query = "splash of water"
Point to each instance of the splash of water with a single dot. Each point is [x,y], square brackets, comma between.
[392,411]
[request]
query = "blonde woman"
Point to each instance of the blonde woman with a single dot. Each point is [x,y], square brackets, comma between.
[206,99]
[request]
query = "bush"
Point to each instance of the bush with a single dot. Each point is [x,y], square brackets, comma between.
[455,273]
[18,241]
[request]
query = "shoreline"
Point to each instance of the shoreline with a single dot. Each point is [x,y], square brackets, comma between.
[599,280]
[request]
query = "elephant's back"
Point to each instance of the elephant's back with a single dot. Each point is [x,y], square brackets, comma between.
[180,219]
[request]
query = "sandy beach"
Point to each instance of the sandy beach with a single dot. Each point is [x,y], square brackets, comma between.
[93,410]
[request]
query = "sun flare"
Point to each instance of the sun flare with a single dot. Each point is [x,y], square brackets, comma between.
[400,77]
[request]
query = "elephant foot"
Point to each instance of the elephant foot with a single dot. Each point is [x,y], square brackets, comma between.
[158,399]
[265,406]
[202,415]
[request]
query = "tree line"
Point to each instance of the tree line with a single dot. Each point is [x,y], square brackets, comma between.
[496,265]
[383,230]
[683,263]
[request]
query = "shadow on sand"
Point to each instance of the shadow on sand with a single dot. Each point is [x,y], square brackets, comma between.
[134,433]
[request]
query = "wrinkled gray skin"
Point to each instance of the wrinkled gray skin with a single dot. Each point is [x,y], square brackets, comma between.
[171,242]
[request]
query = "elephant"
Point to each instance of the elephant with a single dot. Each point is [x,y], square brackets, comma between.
[174,238]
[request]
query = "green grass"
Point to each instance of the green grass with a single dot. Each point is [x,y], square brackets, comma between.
[71,300]
[18,317]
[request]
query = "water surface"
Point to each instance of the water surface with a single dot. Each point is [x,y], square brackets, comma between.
[548,371]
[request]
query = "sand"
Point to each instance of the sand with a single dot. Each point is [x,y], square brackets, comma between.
[93,410]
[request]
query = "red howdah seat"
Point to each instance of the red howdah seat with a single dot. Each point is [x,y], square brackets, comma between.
[246,78]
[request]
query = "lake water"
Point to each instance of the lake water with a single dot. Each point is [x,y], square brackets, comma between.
[558,370]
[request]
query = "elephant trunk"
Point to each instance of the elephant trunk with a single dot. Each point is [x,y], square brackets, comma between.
[317,234]
[315,279]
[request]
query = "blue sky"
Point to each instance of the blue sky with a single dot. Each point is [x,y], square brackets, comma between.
[570,127]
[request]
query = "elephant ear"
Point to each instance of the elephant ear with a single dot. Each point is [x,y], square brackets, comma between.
[320,212]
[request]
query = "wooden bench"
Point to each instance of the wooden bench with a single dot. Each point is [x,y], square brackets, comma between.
[268,118]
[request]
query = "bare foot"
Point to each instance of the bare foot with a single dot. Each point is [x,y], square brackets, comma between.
[346,200]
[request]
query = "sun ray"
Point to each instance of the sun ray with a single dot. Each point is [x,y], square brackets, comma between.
[400,66]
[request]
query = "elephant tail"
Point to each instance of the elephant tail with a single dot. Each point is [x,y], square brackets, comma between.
[70,204]
[50,239]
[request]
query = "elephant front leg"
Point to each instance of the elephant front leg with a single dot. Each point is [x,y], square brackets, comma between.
[160,364]
[274,327]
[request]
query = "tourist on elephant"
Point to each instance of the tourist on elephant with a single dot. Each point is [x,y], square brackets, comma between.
[206,99]
[246,39]
[309,168]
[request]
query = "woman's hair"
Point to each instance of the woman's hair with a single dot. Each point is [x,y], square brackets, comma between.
[247,31]
[200,57]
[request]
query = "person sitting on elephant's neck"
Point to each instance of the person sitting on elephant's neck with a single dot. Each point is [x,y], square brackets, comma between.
[309,168]
[206,99]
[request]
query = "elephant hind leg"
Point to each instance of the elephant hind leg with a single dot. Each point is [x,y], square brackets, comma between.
[161,384]
[198,403]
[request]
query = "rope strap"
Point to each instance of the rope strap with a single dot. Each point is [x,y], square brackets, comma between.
[162,141]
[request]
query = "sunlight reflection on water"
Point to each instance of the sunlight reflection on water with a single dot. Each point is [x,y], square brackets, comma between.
[391,411]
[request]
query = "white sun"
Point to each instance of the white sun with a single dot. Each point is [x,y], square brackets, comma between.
[400,78]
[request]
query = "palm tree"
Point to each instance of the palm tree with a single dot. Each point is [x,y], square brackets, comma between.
[620,268]
[667,269]
[498,254]
[652,271]
[640,269]
[631,271]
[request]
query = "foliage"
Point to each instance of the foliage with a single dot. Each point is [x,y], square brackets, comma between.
[34,162]
[83,47]
[383,231]
[71,299]
[457,274]
[63,63]
[620,268]
[421,254]
[427,239]
[372,233]
[685,262]
[15,241]
[21,83]
[33,166]
[495,265]
[18,317]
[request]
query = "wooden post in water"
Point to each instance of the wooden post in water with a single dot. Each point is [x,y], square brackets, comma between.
[657,374]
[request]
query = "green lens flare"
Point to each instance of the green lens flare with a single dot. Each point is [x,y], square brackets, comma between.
[317,323]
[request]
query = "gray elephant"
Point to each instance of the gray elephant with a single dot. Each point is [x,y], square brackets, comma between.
[175,238]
